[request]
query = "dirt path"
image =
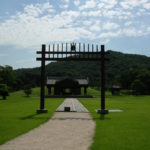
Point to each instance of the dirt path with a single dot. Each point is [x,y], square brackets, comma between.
[65,131]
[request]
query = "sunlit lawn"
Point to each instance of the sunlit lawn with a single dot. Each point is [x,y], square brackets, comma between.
[18,114]
[127,130]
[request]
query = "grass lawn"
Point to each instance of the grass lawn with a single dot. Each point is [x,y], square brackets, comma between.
[18,114]
[127,130]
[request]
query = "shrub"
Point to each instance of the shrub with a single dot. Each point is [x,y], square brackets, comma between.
[28,91]
[3,91]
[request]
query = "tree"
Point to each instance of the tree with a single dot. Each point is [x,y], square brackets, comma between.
[127,78]
[27,91]
[7,76]
[138,87]
[3,91]
[141,84]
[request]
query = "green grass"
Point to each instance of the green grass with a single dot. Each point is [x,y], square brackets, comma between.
[18,114]
[127,130]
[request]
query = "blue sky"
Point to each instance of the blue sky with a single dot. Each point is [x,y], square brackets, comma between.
[121,25]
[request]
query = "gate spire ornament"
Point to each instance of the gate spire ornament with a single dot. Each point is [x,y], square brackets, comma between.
[73,47]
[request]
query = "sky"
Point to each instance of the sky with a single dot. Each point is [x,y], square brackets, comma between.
[121,25]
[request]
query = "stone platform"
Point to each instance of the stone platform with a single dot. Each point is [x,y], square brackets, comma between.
[74,104]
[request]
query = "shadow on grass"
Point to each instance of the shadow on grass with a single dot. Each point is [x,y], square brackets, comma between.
[34,116]
[101,117]
[39,116]
[3,99]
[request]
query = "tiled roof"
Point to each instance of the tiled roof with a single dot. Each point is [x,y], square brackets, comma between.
[52,81]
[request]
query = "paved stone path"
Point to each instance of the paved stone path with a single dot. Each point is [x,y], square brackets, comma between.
[74,104]
[65,131]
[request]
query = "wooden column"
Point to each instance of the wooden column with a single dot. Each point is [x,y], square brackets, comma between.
[49,91]
[42,92]
[85,90]
[103,111]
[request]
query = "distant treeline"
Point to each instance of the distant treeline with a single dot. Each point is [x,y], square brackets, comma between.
[130,71]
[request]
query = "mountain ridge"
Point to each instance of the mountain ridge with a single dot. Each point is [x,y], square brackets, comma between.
[118,64]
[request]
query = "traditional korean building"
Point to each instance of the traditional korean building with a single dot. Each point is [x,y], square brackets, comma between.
[66,86]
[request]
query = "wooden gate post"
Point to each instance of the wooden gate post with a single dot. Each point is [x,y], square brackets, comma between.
[42,90]
[103,110]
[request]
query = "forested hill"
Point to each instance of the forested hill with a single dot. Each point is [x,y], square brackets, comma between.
[117,65]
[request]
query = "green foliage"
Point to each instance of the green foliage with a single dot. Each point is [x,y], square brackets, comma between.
[141,84]
[136,80]
[27,77]
[18,114]
[28,91]
[3,90]
[127,78]
[138,87]
[7,76]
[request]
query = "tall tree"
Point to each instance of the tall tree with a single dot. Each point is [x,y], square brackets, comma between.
[7,76]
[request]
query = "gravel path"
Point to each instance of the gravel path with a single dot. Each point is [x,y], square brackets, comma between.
[65,131]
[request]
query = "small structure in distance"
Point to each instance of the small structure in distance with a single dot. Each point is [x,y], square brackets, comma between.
[115,90]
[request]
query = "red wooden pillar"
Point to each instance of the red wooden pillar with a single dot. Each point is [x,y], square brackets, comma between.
[42,91]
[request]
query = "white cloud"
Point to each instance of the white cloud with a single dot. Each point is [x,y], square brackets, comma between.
[70,14]
[86,22]
[100,5]
[128,23]
[110,26]
[129,4]
[147,6]
[129,32]
[117,13]
[133,32]
[108,4]
[88,4]
[95,27]
[110,34]
[67,1]
[85,33]
[91,13]
[135,3]
[64,6]
[148,29]
[76,2]
[36,10]
[41,23]
[25,29]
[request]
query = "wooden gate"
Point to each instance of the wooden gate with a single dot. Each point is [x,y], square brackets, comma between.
[72,52]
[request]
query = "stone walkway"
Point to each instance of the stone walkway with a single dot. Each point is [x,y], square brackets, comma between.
[74,104]
[65,131]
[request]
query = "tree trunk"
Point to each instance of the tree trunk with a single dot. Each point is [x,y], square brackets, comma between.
[4,97]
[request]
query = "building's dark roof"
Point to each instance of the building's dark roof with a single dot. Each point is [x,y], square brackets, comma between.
[53,80]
